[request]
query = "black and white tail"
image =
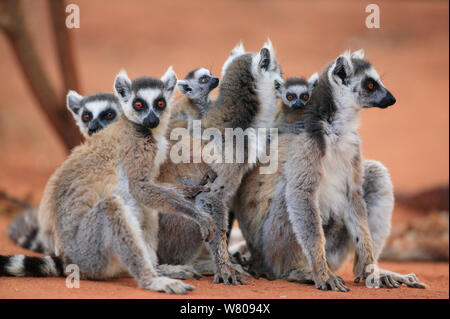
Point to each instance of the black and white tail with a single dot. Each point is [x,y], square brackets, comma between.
[25,266]
[24,231]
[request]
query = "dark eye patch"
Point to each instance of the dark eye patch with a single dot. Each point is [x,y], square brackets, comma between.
[139,104]
[159,103]
[369,84]
[108,114]
[204,79]
[291,96]
[86,116]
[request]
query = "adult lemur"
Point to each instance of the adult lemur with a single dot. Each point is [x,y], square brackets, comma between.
[246,99]
[301,223]
[102,203]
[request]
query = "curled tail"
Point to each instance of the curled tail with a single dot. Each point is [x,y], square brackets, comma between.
[25,266]
[24,231]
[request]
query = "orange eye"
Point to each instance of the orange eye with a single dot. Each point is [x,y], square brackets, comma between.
[305,97]
[109,115]
[138,105]
[290,97]
[86,117]
[370,86]
[161,104]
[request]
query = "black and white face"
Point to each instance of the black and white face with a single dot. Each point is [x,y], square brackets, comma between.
[297,91]
[94,112]
[198,84]
[357,83]
[145,100]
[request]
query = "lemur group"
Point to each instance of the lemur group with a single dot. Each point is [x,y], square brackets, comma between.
[118,206]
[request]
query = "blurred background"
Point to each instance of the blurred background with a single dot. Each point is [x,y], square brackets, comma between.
[410,50]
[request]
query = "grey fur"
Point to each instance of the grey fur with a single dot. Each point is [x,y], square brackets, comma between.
[327,200]
[247,96]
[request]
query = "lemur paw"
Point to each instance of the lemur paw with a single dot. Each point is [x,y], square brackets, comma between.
[331,282]
[168,285]
[191,192]
[207,226]
[227,275]
[381,278]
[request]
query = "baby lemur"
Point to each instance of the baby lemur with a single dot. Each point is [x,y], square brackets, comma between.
[325,200]
[293,97]
[246,99]
[102,202]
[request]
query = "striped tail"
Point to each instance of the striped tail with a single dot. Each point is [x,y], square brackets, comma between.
[25,266]
[24,231]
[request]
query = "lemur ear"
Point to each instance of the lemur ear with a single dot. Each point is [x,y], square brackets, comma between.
[269,46]
[184,87]
[358,54]
[264,59]
[122,86]
[170,81]
[238,49]
[312,81]
[266,55]
[73,100]
[343,67]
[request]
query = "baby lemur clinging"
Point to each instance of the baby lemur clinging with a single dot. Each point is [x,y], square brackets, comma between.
[102,202]
[326,200]
[294,95]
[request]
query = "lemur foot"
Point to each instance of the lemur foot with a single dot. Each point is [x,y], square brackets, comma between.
[178,271]
[168,285]
[331,282]
[386,279]
[227,274]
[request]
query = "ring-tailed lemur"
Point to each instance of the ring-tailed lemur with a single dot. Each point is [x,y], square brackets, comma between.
[25,230]
[294,95]
[246,99]
[326,200]
[101,203]
[91,113]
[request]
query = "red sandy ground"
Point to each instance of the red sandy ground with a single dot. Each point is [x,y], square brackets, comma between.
[411,138]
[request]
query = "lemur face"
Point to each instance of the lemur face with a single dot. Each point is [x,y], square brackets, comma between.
[296,91]
[145,99]
[93,112]
[356,81]
[198,84]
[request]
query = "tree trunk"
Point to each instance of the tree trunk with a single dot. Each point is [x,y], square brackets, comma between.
[12,22]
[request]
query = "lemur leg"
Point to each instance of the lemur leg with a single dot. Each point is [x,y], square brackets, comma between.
[379,197]
[111,226]
[216,203]
[304,215]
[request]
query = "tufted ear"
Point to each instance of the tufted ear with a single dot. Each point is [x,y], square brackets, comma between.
[269,46]
[184,87]
[343,68]
[358,54]
[312,81]
[238,49]
[73,100]
[122,86]
[170,81]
